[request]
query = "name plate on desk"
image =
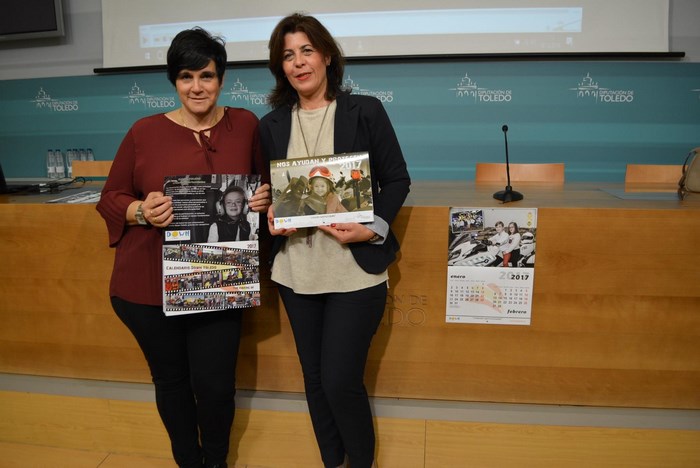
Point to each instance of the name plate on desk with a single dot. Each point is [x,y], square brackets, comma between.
[643,194]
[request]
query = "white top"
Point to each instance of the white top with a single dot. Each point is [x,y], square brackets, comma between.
[513,243]
[500,239]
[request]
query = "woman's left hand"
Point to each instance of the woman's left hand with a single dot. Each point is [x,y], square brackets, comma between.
[346,233]
[261,200]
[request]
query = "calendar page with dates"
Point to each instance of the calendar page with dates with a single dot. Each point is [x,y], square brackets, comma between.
[491,265]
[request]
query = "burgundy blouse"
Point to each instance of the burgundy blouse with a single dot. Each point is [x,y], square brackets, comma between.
[153,148]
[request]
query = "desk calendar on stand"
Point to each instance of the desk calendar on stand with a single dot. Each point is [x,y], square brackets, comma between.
[490,265]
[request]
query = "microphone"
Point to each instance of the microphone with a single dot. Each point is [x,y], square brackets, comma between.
[508,194]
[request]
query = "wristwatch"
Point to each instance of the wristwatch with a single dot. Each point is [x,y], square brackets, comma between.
[138,215]
[374,238]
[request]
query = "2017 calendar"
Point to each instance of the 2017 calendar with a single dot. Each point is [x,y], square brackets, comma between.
[491,265]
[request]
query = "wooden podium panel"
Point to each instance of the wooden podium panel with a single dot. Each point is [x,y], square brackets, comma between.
[615,314]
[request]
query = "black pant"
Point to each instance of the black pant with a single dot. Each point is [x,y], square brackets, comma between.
[514,257]
[192,359]
[333,332]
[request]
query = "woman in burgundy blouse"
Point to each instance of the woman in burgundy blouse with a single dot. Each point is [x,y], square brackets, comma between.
[192,358]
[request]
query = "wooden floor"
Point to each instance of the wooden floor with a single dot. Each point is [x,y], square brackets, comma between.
[24,455]
[39,430]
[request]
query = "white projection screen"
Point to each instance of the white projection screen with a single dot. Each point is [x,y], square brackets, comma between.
[137,32]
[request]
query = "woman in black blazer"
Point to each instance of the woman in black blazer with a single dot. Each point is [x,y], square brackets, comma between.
[332,279]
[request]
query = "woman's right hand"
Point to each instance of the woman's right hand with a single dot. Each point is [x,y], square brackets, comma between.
[261,199]
[271,225]
[158,209]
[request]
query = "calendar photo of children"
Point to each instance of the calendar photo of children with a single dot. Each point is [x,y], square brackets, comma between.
[504,240]
[308,192]
[494,238]
[210,250]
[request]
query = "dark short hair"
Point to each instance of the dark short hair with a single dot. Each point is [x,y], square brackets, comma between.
[233,188]
[192,49]
[283,93]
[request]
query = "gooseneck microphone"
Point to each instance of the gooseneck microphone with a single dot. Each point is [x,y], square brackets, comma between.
[508,194]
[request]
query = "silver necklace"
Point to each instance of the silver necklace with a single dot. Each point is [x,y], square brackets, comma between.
[318,135]
[311,231]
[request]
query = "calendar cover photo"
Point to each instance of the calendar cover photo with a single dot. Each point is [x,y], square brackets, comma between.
[308,192]
[210,250]
[491,265]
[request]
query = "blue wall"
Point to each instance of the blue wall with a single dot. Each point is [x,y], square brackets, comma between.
[594,116]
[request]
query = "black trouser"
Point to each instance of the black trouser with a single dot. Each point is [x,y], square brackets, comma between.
[514,257]
[192,359]
[333,332]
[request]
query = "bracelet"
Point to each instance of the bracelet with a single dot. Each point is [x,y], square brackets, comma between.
[139,216]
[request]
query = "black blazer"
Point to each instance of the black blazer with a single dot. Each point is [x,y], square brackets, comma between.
[361,124]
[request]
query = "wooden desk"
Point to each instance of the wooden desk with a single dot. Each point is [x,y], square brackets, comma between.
[615,320]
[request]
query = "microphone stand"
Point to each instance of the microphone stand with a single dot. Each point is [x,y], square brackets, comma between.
[507,195]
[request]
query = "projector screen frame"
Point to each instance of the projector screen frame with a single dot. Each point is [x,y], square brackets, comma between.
[510,57]
[386,31]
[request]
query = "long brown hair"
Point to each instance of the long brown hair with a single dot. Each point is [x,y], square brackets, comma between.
[283,93]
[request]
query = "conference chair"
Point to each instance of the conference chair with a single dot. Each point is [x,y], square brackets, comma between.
[91,168]
[653,174]
[538,172]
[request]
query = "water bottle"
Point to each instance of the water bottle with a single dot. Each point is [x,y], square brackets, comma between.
[60,167]
[90,155]
[50,165]
[70,157]
[83,154]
